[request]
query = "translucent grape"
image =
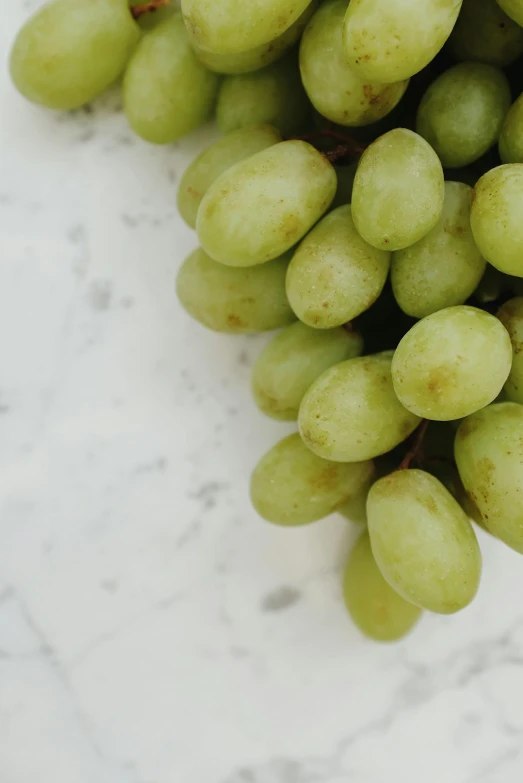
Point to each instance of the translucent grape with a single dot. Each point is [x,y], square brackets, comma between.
[390,41]
[489,456]
[452,363]
[497,217]
[445,266]
[484,33]
[514,9]
[70,51]
[462,112]
[292,361]
[335,90]
[423,543]
[376,609]
[511,316]
[398,190]
[167,92]
[351,413]
[234,300]
[263,205]
[292,486]
[273,95]
[334,274]
[230,26]
[216,159]
[511,137]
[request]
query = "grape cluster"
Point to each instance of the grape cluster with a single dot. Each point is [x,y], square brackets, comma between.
[366,199]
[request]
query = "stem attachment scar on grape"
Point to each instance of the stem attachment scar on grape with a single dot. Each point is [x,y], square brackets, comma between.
[415,450]
[145,8]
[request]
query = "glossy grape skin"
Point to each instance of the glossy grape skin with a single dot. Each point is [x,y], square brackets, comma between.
[216,159]
[489,456]
[237,301]
[398,190]
[376,609]
[70,51]
[514,9]
[292,361]
[497,217]
[292,486]
[351,413]
[511,137]
[390,41]
[444,267]
[484,33]
[452,363]
[273,95]
[462,112]
[231,26]
[511,316]
[264,205]
[162,74]
[334,274]
[334,89]
[423,542]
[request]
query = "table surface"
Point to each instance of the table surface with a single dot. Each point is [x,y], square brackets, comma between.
[152,628]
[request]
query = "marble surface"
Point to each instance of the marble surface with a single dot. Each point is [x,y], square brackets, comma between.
[152,628]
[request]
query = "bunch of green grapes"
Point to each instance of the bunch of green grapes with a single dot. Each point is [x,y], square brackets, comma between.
[365,199]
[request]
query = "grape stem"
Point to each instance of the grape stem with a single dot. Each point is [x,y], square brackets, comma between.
[145,8]
[415,450]
[347,147]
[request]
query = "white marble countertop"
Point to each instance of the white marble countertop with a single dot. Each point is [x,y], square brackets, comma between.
[152,628]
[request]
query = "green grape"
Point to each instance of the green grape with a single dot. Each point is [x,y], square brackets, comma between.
[216,159]
[152,19]
[423,542]
[497,217]
[292,361]
[273,95]
[376,609]
[234,300]
[351,413]
[231,26]
[334,274]
[355,509]
[511,137]
[390,41]
[292,486]
[263,205]
[452,363]
[334,89]
[398,190]
[445,266]
[345,175]
[490,463]
[70,51]
[462,112]
[260,56]
[167,92]
[513,8]
[485,34]
[511,316]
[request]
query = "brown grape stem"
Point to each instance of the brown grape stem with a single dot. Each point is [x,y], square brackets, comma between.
[415,450]
[347,147]
[145,8]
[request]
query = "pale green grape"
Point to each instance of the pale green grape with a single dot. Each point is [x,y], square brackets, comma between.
[490,462]
[355,509]
[334,274]
[423,543]
[216,159]
[398,190]
[376,609]
[452,363]
[71,50]
[234,300]
[445,266]
[511,137]
[292,361]
[485,34]
[335,90]
[497,217]
[393,40]
[462,112]
[345,175]
[167,92]
[273,95]
[152,19]
[351,413]
[292,486]
[230,26]
[514,9]
[511,316]
[264,205]
[260,56]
